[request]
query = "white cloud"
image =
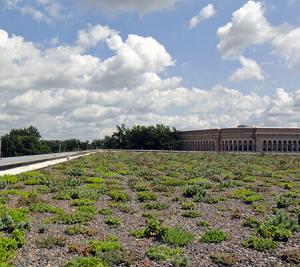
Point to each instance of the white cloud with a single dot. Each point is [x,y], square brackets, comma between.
[247,27]
[39,10]
[66,92]
[116,6]
[287,46]
[250,71]
[205,13]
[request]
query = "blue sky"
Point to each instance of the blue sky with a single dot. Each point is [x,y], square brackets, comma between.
[182,77]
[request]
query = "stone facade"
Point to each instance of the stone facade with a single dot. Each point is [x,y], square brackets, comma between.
[242,139]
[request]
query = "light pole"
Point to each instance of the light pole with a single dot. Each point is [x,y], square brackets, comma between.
[0,147]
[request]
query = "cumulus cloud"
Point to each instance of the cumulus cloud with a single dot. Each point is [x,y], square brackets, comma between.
[116,6]
[205,13]
[67,92]
[287,46]
[247,27]
[39,10]
[250,71]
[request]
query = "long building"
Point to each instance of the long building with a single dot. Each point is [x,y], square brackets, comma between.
[242,139]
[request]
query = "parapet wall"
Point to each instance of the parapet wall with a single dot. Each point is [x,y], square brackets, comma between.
[273,140]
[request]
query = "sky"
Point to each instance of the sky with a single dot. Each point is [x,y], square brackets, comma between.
[79,68]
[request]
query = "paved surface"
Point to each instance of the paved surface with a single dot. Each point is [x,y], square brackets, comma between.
[41,165]
[28,159]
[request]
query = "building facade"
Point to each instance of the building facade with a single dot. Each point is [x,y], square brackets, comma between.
[242,139]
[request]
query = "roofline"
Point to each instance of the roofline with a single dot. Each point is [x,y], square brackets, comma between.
[235,128]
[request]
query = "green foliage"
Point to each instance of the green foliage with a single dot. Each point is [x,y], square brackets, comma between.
[260,243]
[164,253]
[251,222]
[51,242]
[251,199]
[106,211]
[19,236]
[43,207]
[8,247]
[191,214]
[82,202]
[284,202]
[94,180]
[80,229]
[87,209]
[14,219]
[84,262]
[25,141]
[214,236]
[153,228]
[113,221]
[155,206]
[97,247]
[176,236]
[203,223]
[141,137]
[241,193]
[118,195]
[197,192]
[139,187]
[146,196]
[73,218]
[188,205]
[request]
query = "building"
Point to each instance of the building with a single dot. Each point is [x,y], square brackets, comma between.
[242,139]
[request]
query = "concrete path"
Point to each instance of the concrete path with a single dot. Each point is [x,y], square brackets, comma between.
[37,166]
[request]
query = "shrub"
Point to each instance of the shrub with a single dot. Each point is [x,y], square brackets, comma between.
[191,214]
[214,236]
[87,210]
[146,196]
[80,229]
[118,195]
[176,236]
[51,242]
[106,211]
[113,221]
[197,192]
[19,237]
[203,223]
[94,180]
[138,233]
[164,253]
[82,202]
[251,199]
[188,205]
[284,202]
[274,232]
[43,207]
[155,206]
[251,222]
[8,247]
[241,193]
[97,247]
[153,228]
[260,243]
[139,187]
[224,259]
[73,218]
[84,262]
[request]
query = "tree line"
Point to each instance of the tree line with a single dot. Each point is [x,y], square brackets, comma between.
[28,141]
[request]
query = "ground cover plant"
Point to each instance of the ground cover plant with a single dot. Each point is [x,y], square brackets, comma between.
[153,209]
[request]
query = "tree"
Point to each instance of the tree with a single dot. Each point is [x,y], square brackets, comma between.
[141,137]
[24,141]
